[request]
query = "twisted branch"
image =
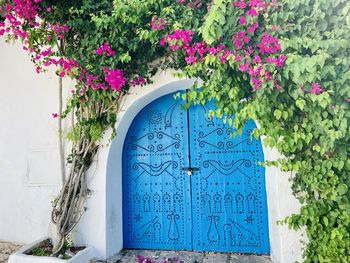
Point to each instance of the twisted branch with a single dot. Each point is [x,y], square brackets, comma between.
[70,203]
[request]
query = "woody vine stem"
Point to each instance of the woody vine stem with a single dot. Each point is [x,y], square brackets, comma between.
[69,206]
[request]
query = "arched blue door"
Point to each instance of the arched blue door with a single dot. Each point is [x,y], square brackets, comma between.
[220,205]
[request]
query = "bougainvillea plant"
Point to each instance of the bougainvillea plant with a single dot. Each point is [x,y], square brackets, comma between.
[284,64]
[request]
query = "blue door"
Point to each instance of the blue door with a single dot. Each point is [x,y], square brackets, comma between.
[189,185]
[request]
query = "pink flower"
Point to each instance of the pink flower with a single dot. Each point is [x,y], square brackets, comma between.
[115,78]
[253,27]
[244,66]
[67,65]
[162,42]
[257,59]
[157,24]
[316,88]
[59,30]
[139,80]
[55,115]
[240,4]
[256,83]
[269,44]
[277,86]
[242,20]
[252,12]
[46,52]
[240,38]
[190,60]
[105,48]
[248,51]
[255,72]
[268,75]
[223,57]
[91,79]
[213,50]
[180,38]
[280,60]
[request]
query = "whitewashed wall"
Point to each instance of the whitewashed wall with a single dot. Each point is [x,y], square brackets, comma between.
[29,170]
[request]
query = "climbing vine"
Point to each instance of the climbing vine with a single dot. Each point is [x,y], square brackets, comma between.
[294,79]
[284,64]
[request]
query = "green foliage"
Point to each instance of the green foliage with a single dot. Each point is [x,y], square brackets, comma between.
[38,251]
[221,18]
[311,131]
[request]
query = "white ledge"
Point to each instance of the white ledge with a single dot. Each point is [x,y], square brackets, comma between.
[21,257]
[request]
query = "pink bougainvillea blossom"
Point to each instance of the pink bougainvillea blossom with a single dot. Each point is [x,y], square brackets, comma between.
[91,79]
[55,115]
[67,65]
[223,58]
[46,52]
[248,51]
[257,59]
[240,4]
[59,30]
[157,24]
[105,49]
[199,49]
[139,80]
[256,72]
[253,28]
[316,88]
[244,66]
[256,83]
[279,61]
[180,38]
[277,86]
[252,12]
[260,62]
[268,76]
[115,78]
[240,39]
[242,20]
[215,50]
[269,44]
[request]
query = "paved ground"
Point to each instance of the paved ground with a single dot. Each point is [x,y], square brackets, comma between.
[6,249]
[130,256]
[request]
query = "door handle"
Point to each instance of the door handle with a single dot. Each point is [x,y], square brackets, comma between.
[190,169]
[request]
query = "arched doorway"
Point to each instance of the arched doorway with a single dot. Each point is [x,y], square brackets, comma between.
[188,185]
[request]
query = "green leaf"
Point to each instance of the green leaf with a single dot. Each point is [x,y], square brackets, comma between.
[342,189]
[278,114]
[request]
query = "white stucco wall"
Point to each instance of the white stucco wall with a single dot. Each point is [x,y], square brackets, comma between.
[29,170]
